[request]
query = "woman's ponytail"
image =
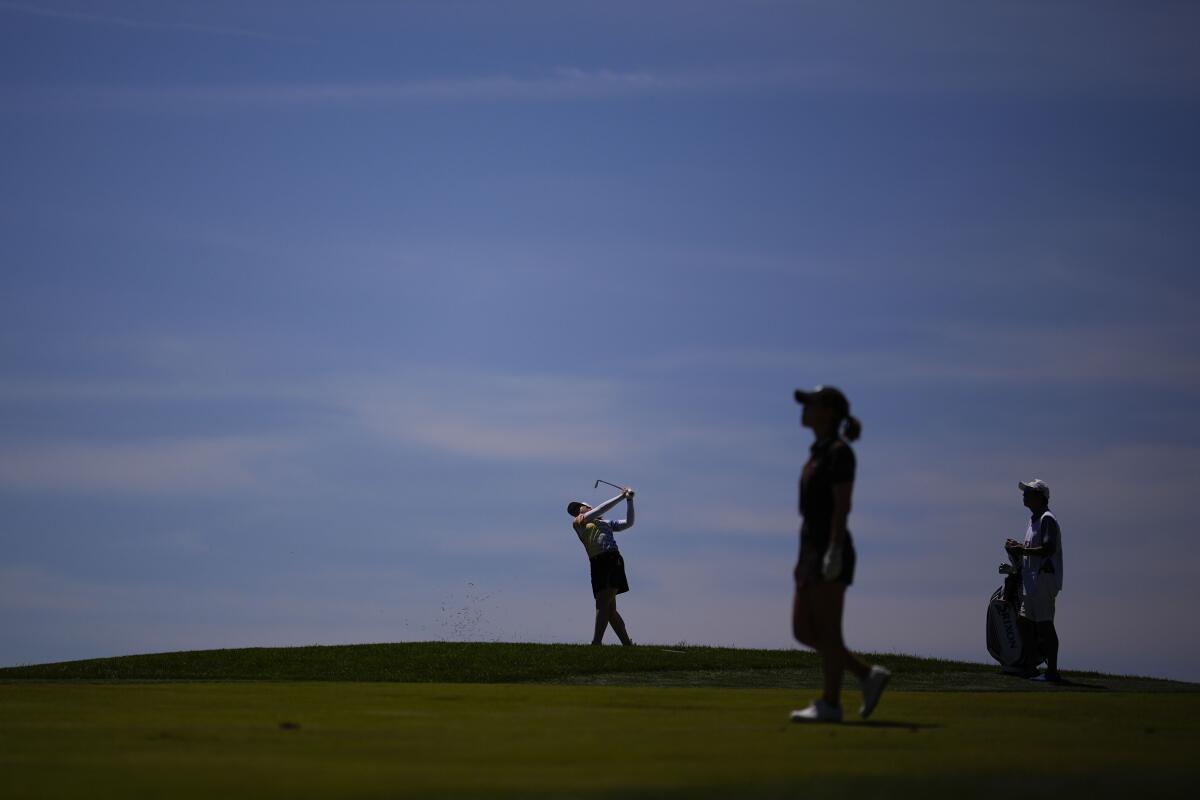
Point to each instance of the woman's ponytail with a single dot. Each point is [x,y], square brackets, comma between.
[851,428]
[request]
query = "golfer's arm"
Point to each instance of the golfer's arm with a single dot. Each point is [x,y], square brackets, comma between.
[600,509]
[841,512]
[627,523]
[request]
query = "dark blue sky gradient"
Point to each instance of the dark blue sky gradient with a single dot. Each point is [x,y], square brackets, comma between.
[313,315]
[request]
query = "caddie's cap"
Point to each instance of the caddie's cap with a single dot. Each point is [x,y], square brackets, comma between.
[574,506]
[1036,485]
[825,395]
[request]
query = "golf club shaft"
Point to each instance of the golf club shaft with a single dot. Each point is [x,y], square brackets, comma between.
[615,486]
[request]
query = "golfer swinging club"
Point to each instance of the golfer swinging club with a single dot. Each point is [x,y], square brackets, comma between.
[826,564]
[608,568]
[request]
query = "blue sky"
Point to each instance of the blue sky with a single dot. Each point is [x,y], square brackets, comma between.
[315,314]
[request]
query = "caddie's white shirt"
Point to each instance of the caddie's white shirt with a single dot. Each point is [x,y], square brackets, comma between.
[1031,566]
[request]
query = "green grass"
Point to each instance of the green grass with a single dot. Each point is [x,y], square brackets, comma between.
[520,721]
[446,662]
[296,740]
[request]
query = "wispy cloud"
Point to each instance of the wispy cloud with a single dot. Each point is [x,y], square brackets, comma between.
[564,84]
[225,463]
[1033,50]
[487,415]
[477,413]
[86,18]
[1158,353]
[571,84]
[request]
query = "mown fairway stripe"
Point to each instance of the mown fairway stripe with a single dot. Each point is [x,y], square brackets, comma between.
[375,740]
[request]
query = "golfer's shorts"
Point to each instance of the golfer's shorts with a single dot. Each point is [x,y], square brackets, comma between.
[812,557]
[1038,605]
[608,572]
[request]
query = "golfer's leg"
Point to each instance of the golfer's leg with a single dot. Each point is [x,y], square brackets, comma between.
[618,624]
[827,626]
[603,601]
[802,618]
[857,667]
[834,656]
[834,598]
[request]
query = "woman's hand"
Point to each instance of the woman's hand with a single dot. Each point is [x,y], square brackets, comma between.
[831,565]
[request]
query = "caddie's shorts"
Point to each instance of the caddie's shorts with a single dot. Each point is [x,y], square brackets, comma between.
[608,572]
[1038,605]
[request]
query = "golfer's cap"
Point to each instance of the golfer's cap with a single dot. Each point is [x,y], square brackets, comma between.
[1035,485]
[574,506]
[826,395]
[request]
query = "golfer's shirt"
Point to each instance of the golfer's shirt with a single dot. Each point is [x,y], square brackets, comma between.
[1034,569]
[597,535]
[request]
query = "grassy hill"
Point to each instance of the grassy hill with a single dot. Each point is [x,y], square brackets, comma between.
[451,662]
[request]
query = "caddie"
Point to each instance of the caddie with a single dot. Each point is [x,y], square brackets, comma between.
[1041,555]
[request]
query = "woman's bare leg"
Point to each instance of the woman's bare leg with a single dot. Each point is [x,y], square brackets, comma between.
[802,618]
[617,623]
[828,600]
[604,602]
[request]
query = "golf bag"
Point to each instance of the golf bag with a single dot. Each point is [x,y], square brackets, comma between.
[1004,639]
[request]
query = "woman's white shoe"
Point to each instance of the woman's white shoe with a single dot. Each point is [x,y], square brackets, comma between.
[872,689]
[818,711]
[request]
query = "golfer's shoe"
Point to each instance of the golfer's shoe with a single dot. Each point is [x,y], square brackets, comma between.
[1047,677]
[818,711]
[872,689]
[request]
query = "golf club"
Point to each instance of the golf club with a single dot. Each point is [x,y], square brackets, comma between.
[596,485]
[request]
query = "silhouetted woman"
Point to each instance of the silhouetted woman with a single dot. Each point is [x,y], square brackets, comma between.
[607,566]
[826,564]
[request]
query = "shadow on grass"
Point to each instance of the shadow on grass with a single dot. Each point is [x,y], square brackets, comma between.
[913,727]
[1065,683]
[878,723]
